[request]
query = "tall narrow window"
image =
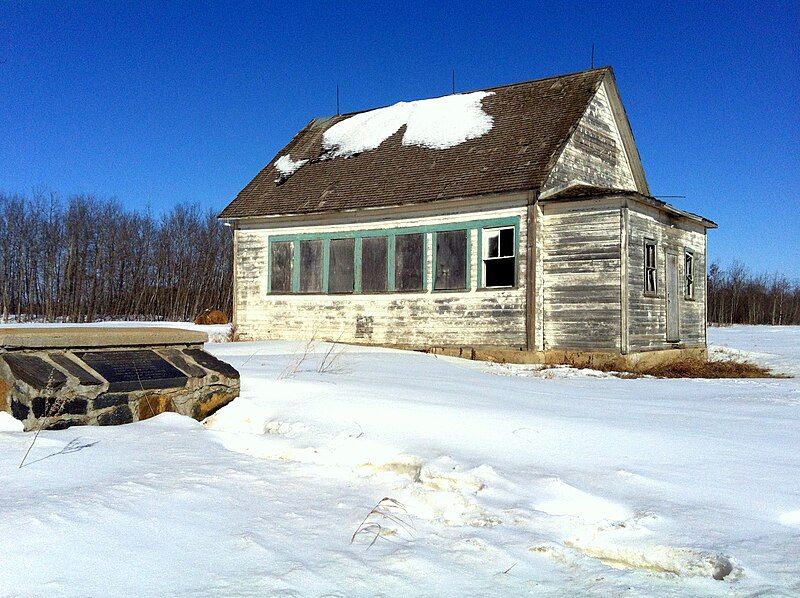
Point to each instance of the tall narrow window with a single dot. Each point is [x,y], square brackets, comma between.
[281,262]
[311,266]
[341,272]
[688,275]
[409,266]
[374,253]
[451,260]
[650,268]
[499,257]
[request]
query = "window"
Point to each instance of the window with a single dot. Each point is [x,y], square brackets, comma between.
[688,275]
[341,274]
[311,266]
[374,253]
[282,258]
[451,260]
[650,268]
[498,257]
[409,266]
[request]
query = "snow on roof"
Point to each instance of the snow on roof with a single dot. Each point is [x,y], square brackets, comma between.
[286,166]
[437,123]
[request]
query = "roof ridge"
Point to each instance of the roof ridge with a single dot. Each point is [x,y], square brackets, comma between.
[493,88]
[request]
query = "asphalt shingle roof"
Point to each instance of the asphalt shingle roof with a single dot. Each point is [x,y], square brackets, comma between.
[532,121]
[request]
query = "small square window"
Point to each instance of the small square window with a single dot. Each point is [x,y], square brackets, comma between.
[650,268]
[499,259]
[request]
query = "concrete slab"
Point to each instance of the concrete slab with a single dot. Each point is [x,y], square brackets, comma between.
[85,337]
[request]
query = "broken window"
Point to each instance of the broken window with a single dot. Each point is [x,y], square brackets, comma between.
[688,275]
[282,258]
[311,266]
[409,266]
[341,274]
[374,253]
[451,260]
[650,268]
[499,259]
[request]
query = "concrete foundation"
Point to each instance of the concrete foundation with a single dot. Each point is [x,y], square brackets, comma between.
[61,377]
[585,359]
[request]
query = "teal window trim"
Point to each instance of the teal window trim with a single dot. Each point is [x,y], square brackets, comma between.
[391,266]
[425,250]
[392,234]
[326,264]
[357,266]
[295,265]
[481,285]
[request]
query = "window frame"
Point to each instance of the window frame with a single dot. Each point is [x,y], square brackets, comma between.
[689,279]
[485,235]
[654,268]
[473,228]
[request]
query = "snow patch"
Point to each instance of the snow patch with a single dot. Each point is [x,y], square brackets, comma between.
[9,423]
[790,518]
[437,123]
[287,167]
[565,500]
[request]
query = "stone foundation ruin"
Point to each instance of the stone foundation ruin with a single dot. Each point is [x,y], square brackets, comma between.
[61,377]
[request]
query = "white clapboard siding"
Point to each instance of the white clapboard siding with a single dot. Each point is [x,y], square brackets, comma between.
[647,324]
[581,276]
[594,154]
[467,318]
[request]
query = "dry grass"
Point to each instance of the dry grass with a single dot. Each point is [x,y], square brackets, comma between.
[233,334]
[711,369]
[693,368]
[389,518]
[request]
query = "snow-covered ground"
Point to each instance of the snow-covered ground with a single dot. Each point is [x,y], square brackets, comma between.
[503,481]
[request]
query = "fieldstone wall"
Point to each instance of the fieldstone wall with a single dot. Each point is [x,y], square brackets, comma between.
[109,386]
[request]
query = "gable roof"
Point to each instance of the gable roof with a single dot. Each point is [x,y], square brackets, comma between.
[532,122]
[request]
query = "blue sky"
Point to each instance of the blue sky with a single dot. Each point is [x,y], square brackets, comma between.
[158,103]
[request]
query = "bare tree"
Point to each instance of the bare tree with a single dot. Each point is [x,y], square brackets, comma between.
[85,259]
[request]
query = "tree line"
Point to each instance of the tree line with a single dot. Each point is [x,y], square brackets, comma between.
[83,259]
[738,296]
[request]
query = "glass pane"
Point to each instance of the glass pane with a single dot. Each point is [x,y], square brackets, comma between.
[311,266]
[500,272]
[493,244]
[451,260]
[507,242]
[281,281]
[373,264]
[341,276]
[651,256]
[409,267]
[651,280]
